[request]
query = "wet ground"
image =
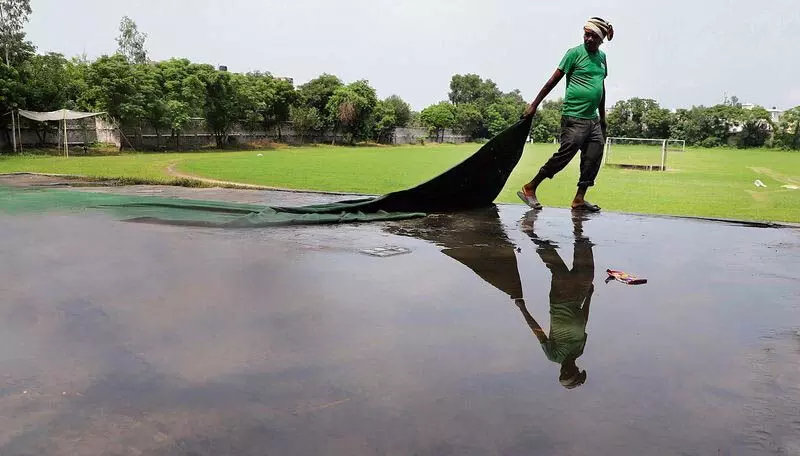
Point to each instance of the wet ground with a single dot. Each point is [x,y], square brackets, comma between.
[495,334]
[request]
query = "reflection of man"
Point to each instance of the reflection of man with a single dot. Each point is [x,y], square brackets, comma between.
[570,296]
[477,239]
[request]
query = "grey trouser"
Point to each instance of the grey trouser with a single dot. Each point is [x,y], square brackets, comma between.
[578,134]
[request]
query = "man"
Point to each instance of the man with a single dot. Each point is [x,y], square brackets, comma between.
[586,70]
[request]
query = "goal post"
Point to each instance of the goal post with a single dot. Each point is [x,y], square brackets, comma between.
[636,153]
[676,145]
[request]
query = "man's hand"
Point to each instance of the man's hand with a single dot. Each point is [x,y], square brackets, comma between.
[604,127]
[530,111]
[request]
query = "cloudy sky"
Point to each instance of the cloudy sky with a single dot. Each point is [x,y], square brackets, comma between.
[679,52]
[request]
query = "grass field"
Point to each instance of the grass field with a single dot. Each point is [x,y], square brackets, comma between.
[699,182]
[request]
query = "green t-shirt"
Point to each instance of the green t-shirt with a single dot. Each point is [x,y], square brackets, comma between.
[585,75]
[567,332]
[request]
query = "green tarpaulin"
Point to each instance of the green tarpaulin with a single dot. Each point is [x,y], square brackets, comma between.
[473,183]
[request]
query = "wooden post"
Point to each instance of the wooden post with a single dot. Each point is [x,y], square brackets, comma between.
[66,143]
[19,129]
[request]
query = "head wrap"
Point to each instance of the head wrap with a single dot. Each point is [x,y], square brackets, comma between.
[575,381]
[602,28]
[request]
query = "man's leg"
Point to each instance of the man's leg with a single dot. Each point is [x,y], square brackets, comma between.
[572,136]
[582,272]
[591,159]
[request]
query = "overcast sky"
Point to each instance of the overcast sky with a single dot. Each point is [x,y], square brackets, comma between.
[679,52]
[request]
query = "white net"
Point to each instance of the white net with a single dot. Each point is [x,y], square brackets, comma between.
[676,145]
[636,153]
[60,115]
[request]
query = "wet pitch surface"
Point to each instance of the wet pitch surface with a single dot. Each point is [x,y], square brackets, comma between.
[126,339]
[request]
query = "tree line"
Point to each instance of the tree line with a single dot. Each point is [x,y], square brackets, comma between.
[477,108]
[169,95]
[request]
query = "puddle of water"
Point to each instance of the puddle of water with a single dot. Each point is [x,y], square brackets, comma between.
[496,334]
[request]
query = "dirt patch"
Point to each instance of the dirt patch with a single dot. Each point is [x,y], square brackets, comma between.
[247,196]
[236,195]
[780,177]
[175,173]
[758,196]
[22,180]
[228,184]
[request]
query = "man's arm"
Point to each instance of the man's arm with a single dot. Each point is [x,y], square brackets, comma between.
[602,110]
[587,303]
[548,87]
[537,330]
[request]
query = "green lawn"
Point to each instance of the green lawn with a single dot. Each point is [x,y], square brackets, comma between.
[700,182]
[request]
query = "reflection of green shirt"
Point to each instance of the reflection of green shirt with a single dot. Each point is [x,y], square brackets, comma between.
[585,72]
[567,332]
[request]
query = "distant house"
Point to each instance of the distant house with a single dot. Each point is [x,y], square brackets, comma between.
[774,113]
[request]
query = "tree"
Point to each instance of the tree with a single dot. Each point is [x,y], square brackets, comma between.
[401,110]
[438,117]
[112,87]
[707,126]
[495,121]
[414,120]
[547,122]
[131,41]
[497,110]
[254,98]
[150,87]
[504,112]
[49,82]
[13,17]
[755,128]
[351,106]
[10,95]
[284,96]
[384,121]
[305,119]
[639,118]
[264,100]
[184,92]
[46,82]
[468,119]
[220,109]
[694,125]
[787,131]
[720,123]
[14,14]
[471,88]
[625,118]
[77,70]
[317,93]
[656,123]
[389,114]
